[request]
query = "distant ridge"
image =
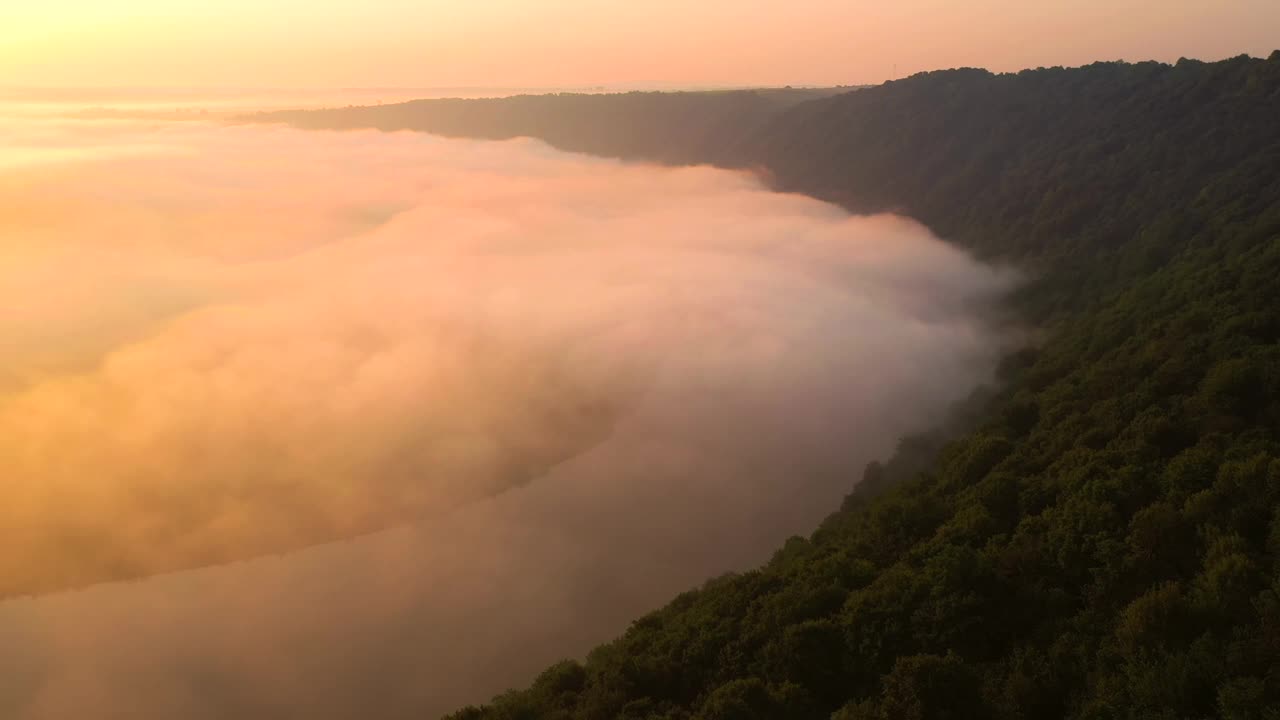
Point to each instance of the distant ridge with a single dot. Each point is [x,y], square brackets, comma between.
[675,127]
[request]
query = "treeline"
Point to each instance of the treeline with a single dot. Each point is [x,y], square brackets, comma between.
[1106,542]
[665,127]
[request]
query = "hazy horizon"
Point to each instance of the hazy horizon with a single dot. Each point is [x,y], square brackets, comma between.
[575,43]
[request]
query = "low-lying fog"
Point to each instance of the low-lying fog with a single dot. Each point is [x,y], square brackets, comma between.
[585,386]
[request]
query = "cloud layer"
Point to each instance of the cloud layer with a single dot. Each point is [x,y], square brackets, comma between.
[588,384]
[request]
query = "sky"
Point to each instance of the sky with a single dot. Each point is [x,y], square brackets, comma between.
[573,43]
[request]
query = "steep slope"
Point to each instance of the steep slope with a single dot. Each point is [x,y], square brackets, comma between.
[1106,543]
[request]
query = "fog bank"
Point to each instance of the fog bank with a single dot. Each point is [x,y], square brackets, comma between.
[587,386]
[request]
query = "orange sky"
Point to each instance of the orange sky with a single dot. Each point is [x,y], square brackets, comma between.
[505,43]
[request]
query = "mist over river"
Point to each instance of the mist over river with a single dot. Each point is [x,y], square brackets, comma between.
[313,424]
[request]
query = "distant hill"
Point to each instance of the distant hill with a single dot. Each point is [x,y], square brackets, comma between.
[675,127]
[1106,542]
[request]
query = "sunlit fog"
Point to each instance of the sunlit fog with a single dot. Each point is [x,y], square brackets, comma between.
[451,410]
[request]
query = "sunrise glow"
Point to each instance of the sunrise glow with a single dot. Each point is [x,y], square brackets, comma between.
[568,43]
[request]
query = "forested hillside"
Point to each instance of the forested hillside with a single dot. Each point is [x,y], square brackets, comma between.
[1106,543]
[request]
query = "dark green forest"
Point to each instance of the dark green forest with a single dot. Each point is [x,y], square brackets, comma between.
[1104,539]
